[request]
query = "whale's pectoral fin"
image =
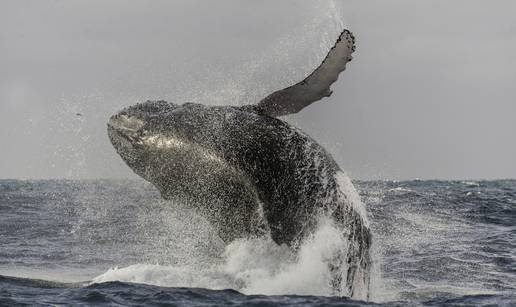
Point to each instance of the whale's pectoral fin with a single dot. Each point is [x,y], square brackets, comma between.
[315,87]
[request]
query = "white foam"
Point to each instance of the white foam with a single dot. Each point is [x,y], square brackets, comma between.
[308,274]
[251,266]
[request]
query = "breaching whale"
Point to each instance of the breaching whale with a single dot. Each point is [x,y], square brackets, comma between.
[250,173]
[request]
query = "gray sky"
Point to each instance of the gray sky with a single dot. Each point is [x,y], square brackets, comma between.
[430,93]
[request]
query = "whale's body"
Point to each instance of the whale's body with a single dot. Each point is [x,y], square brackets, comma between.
[248,172]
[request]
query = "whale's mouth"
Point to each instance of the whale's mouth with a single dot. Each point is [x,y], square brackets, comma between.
[129,122]
[124,132]
[125,124]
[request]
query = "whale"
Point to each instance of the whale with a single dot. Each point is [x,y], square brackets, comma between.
[248,172]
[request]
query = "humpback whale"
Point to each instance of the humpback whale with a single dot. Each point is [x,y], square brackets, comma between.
[248,172]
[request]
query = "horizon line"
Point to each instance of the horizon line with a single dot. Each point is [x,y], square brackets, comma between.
[353,179]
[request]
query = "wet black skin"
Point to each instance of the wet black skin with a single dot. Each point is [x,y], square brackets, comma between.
[229,163]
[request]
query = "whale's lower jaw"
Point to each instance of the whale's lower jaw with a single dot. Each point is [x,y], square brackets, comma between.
[230,204]
[222,194]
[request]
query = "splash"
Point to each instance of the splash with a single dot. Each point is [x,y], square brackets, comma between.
[251,266]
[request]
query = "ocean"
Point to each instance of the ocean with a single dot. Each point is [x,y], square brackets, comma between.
[116,243]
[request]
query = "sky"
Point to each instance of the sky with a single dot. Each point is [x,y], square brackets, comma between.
[430,93]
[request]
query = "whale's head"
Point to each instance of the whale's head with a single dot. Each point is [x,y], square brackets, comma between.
[130,129]
[145,133]
[165,142]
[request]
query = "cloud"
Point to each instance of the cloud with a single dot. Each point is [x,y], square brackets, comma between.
[429,94]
